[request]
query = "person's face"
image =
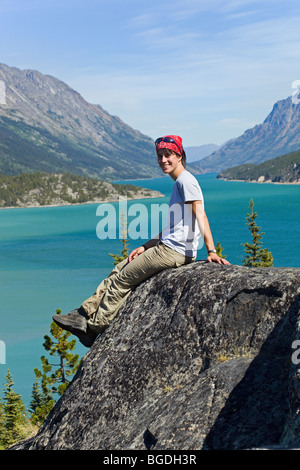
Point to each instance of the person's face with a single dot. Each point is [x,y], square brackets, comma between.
[169,162]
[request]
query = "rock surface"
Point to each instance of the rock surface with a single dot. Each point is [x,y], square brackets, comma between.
[199,357]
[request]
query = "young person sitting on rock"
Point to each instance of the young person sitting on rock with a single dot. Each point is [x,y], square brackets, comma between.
[175,246]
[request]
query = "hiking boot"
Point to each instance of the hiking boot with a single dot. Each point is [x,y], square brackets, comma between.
[72,321]
[75,322]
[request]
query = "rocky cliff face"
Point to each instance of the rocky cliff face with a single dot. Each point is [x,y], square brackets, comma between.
[46,125]
[199,357]
[278,135]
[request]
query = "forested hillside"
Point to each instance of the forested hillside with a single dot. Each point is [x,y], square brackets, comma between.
[40,189]
[284,169]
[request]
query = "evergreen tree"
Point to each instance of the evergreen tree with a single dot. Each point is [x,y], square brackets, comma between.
[54,377]
[255,254]
[38,397]
[124,252]
[2,426]
[219,250]
[13,417]
[40,405]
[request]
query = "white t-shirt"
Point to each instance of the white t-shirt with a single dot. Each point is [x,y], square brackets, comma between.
[182,233]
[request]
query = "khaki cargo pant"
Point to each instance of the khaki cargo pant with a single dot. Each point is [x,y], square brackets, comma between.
[110,295]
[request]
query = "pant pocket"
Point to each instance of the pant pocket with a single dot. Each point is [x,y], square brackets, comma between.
[177,258]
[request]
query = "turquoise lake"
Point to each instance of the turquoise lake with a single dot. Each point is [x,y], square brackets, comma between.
[51,257]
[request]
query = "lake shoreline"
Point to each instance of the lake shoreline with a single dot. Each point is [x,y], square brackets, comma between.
[260,182]
[65,204]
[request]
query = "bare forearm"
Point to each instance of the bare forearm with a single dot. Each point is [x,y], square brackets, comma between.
[203,224]
[202,220]
[204,228]
[208,238]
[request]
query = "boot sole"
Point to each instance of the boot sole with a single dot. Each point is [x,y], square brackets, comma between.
[69,325]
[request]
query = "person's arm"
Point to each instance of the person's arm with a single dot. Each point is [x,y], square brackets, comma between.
[149,244]
[200,215]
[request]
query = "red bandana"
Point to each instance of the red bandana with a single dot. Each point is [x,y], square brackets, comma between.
[170,145]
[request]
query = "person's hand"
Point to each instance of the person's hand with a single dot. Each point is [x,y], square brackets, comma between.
[135,253]
[214,258]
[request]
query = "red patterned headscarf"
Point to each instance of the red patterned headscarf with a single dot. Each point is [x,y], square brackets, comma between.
[171,142]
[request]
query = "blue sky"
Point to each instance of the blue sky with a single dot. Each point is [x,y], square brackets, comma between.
[206,70]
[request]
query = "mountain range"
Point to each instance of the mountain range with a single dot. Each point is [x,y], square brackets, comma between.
[197,153]
[278,135]
[47,126]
